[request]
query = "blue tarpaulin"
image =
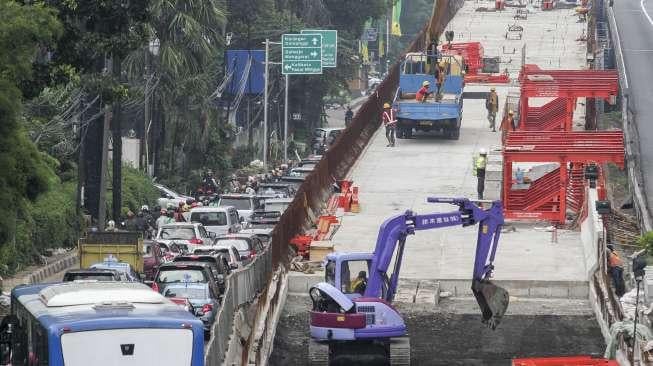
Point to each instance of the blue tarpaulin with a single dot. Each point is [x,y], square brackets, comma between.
[237,61]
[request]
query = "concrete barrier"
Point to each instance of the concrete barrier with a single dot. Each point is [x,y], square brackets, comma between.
[299,284]
[42,273]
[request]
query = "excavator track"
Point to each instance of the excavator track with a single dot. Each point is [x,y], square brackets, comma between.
[318,353]
[400,351]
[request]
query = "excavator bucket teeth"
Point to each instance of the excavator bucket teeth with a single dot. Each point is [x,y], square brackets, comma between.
[493,301]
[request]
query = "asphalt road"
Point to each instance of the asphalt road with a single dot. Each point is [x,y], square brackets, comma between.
[635,26]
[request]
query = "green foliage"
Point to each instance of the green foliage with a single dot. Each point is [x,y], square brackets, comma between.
[646,242]
[50,221]
[137,190]
[24,173]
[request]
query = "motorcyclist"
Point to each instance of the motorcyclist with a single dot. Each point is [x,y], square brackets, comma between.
[130,223]
[209,184]
[111,226]
[163,218]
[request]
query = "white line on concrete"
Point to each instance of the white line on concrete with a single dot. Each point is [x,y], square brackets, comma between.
[641,4]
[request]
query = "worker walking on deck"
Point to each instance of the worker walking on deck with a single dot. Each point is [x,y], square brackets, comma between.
[616,271]
[492,105]
[423,92]
[390,123]
[480,162]
[508,124]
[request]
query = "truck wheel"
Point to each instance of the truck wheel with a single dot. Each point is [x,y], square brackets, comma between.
[454,134]
[408,132]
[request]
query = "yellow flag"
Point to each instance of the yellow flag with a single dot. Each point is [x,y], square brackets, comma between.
[396,15]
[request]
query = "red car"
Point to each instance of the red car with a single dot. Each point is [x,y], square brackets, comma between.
[153,257]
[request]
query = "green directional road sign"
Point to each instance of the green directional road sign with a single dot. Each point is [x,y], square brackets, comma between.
[301,54]
[329,45]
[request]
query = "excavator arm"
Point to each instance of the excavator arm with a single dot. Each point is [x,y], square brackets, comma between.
[492,299]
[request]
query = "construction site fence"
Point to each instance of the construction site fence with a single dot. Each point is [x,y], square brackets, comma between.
[242,286]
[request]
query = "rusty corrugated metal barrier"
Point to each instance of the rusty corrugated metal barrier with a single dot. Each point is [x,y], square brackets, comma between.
[335,164]
[243,286]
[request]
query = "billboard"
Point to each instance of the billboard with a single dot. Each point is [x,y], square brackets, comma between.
[237,60]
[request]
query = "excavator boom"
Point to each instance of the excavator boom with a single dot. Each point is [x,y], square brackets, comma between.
[492,299]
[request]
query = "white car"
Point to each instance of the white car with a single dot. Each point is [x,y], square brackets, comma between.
[244,203]
[191,234]
[218,220]
[230,251]
[168,197]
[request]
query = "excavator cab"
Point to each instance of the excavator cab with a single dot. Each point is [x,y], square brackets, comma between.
[493,301]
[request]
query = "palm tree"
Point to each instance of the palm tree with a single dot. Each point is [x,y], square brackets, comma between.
[189,34]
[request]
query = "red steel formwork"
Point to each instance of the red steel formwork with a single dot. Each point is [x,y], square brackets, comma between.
[564,361]
[472,53]
[546,198]
[564,85]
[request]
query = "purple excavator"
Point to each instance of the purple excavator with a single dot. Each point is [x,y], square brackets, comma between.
[353,321]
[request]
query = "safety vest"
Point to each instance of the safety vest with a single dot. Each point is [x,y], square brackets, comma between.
[614,260]
[480,162]
[389,117]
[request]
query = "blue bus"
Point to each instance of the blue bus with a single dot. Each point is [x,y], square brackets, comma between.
[98,324]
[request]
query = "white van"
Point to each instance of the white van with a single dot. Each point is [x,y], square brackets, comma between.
[219,220]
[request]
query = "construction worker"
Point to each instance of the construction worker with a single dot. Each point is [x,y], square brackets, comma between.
[359,284]
[423,92]
[480,162]
[440,80]
[349,116]
[390,123]
[616,270]
[492,105]
[508,124]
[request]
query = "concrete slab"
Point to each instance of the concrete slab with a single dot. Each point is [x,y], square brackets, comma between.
[392,180]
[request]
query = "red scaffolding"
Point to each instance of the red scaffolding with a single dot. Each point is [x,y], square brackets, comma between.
[546,198]
[565,86]
[472,53]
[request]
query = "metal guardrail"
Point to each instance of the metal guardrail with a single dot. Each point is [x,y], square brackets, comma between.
[630,131]
[241,287]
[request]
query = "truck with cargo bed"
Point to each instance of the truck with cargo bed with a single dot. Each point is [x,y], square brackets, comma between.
[122,246]
[440,112]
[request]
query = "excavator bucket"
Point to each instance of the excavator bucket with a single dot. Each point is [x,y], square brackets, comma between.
[493,301]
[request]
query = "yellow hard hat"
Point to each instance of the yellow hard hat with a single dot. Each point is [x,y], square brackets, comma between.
[426,83]
[493,89]
[511,112]
[386,105]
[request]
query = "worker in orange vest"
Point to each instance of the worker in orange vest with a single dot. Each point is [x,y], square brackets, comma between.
[508,124]
[390,123]
[616,270]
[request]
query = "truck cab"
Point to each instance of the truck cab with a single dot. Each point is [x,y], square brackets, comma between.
[441,112]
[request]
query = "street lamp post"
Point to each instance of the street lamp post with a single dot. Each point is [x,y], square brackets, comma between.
[153,48]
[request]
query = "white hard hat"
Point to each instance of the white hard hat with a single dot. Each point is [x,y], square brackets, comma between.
[145,208]
[482,151]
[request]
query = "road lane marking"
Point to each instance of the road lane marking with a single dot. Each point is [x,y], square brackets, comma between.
[641,4]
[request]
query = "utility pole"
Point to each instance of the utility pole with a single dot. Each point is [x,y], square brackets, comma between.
[285,121]
[266,78]
[146,114]
[387,43]
[102,210]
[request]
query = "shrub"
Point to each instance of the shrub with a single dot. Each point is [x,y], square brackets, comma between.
[646,242]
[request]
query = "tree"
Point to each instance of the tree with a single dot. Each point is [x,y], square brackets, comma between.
[24,172]
[190,38]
